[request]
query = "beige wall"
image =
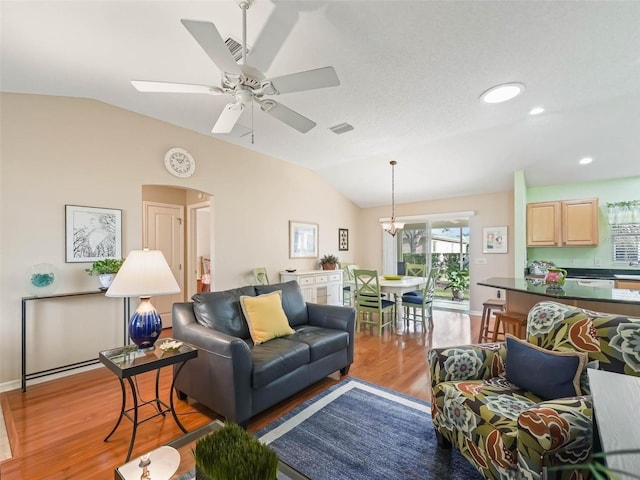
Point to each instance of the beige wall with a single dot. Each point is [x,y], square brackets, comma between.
[56,151]
[491,210]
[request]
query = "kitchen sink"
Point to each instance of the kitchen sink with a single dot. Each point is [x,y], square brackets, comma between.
[627,277]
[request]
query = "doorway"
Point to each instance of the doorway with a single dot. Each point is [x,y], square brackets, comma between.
[441,239]
[178,222]
[164,231]
[199,274]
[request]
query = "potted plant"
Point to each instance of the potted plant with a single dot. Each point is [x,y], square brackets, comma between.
[458,282]
[231,452]
[329,262]
[106,270]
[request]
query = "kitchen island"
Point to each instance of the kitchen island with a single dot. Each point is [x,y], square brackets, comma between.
[522,294]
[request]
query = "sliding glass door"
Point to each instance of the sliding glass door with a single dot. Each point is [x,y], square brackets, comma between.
[441,241]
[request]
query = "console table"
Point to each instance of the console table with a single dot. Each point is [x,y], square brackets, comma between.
[318,286]
[63,368]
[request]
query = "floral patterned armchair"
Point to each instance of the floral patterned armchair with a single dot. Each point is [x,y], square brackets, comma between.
[508,432]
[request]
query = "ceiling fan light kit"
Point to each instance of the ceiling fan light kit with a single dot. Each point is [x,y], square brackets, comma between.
[244,82]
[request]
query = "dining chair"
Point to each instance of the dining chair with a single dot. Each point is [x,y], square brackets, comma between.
[370,305]
[348,289]
[260,276]
[417,306]
[415,270]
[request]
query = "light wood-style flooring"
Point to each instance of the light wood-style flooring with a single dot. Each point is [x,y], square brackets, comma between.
[57,428]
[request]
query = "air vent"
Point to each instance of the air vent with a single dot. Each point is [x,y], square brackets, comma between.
[235,47]
[341,128]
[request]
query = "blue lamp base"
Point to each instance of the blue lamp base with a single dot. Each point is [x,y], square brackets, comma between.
[145,325]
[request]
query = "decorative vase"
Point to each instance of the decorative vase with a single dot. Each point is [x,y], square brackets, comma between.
[43,279]
[106,279]
[555,277]
[145,325]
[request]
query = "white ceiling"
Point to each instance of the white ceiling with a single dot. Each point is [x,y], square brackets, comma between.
[411,73]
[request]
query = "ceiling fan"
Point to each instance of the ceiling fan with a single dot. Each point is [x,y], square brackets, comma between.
[245,83]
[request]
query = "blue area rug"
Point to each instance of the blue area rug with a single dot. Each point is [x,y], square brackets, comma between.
[359,431]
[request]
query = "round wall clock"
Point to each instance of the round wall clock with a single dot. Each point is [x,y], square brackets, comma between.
[179,162]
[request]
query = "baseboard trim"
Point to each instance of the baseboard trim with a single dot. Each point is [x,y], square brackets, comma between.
[17,384]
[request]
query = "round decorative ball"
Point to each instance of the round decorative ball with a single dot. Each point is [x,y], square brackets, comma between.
[43,279]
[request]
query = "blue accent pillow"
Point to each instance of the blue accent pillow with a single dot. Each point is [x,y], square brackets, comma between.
[545,373]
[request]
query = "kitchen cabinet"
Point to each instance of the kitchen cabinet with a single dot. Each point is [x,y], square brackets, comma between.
[628,284]
[566,223]
[318,286]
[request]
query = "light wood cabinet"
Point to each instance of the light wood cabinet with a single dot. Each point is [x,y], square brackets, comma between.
[628,284]
[567,223]
[318,286]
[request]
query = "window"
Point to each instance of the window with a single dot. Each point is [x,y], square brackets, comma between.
[625,240]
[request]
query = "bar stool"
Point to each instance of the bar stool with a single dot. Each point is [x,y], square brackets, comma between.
[488,307]
[511,322]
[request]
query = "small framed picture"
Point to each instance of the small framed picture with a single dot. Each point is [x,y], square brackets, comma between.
[494,240]
[303,240]
[92,233]
[343,239]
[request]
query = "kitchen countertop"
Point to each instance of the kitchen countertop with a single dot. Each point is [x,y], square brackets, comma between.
[570,290]
[598,273]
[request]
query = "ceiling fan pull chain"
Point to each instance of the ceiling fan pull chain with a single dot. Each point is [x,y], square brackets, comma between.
[252,123]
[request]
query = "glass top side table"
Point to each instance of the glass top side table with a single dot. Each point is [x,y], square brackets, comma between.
[127,362]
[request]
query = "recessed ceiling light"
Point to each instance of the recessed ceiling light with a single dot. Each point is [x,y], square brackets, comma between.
[586,161]
[502,93]
[536,111]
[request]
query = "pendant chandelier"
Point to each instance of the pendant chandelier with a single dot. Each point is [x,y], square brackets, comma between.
[393,227]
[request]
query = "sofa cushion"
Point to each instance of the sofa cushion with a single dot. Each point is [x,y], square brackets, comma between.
[292,301]
[265,316]
[545,373]
[276,358]
[485,413]
[322,341]
[222,311]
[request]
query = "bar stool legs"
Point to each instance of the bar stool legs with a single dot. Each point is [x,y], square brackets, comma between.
[510,322]
[488,307]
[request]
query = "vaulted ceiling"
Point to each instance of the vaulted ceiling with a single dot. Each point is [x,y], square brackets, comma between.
[411,73]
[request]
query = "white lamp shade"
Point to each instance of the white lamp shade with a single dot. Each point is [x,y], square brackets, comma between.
[144,273]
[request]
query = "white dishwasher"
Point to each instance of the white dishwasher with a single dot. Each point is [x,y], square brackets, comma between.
[592,282]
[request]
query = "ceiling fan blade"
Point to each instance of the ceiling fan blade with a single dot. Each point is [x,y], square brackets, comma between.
[309,80]
[228,118]
[207,35]
[168,87]
[286,115]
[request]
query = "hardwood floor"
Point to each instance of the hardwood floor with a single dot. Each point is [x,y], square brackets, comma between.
[57,428]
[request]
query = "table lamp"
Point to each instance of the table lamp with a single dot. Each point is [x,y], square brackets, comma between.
[144,273]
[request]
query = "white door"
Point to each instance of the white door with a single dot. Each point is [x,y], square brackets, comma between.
[164,231]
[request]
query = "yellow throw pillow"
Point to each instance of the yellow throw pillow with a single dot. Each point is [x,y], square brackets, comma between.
[265,316]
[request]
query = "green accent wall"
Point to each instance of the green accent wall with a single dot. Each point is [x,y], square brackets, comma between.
[616,190]
[519,223]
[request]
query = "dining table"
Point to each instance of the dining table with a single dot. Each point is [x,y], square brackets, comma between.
[397,287]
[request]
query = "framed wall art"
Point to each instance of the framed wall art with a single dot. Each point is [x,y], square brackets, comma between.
[303,240]
[92,233]
[343,239]
[494,240]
